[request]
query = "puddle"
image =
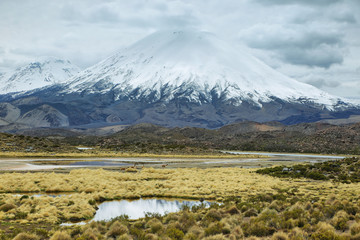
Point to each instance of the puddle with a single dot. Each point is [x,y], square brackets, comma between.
[98,163]
[136,209]
[53,195]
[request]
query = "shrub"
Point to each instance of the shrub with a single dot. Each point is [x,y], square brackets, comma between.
[155,225]
[60,236]
[41,232]
[190,236]
[251,212]
[279,236]
[26,236]
[137,232]
[131,169]
[325,232]
[296,211]
[238,232]
[117,229]
[174,233]
[297,234]
[339,221]
[275,205]
[195,232]
[171,217]
[186,221]
[89,234]
[7,207]
[268,215]
[355,228]
[216,237]
[20,215]
[213,215]
[354,237]
[125,237]
[214,228]
[258,228]
[150,236]
[24,197]
[317,216]
[233,210]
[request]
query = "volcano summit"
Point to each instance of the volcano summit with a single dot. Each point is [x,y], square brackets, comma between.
[183,78]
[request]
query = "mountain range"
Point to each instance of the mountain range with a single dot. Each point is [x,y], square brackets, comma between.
[171,78]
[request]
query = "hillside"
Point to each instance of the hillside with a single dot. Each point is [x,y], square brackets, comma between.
[21,143]
[246,136]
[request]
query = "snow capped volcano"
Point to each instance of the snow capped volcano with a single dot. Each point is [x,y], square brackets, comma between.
[182,78]
[196,65]
[42,72]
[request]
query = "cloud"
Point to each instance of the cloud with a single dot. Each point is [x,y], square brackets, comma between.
[297,44]
[336,16]
[345,17]
[321,56]
[293,36]
[140,14]
[297,2]
[320,83]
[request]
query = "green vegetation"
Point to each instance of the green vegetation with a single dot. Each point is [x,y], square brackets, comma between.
[25,144]
[246,136]
[345,170]
[152,139]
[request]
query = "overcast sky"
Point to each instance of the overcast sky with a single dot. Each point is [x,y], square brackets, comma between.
[314,41]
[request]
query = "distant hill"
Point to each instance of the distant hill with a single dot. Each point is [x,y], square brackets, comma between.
[247,136]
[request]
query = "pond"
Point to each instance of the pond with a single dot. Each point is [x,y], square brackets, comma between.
[138,208]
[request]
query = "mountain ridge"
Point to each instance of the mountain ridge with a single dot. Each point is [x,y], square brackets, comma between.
[181,79]
[43,71]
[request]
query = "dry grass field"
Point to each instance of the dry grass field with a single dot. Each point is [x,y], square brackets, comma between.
[261,205]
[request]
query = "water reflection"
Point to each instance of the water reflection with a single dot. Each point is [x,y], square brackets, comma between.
[137,208]
[99,163]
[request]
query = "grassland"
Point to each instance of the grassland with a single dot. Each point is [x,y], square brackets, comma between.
[345,170]
[254,205]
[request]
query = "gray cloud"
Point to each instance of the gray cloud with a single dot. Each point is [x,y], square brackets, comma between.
[297,2]
[326,17]
[319,83]
[321,56]
[296,45]
[346,17]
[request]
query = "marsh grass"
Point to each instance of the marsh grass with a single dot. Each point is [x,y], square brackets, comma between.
[253,205]
[217,223]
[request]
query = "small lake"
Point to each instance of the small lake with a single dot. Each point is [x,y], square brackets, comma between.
[138,208]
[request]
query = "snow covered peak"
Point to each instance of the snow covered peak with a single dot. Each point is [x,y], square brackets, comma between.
[42,72]
[168,63]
